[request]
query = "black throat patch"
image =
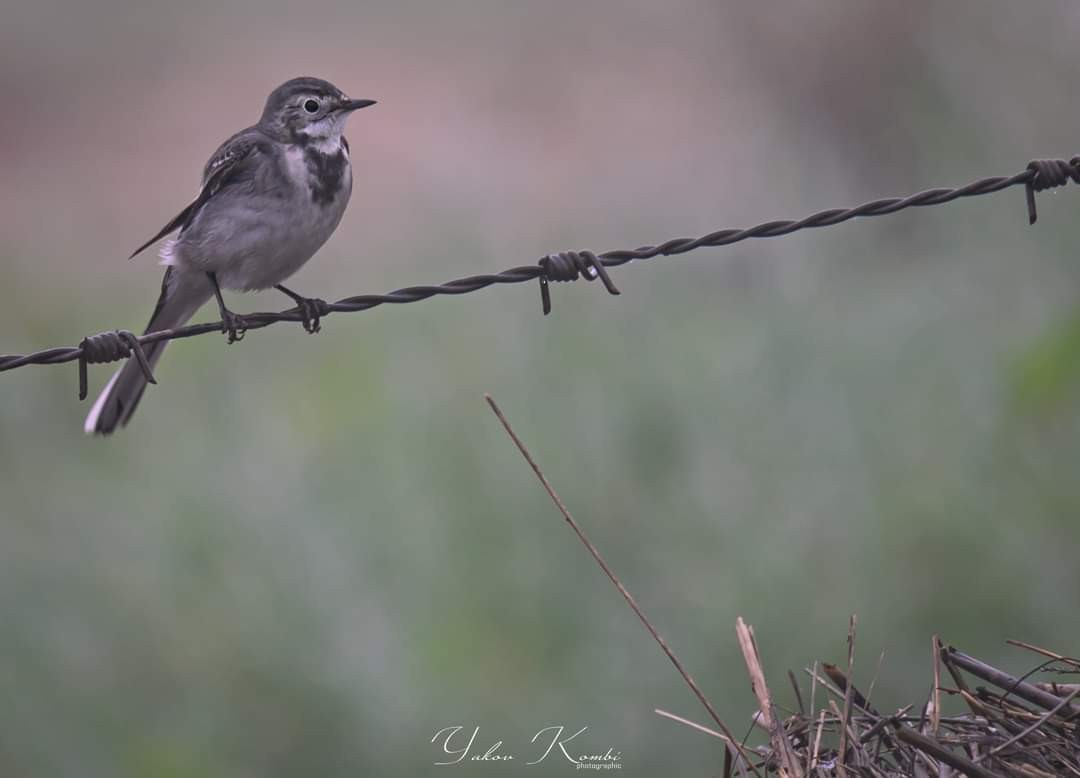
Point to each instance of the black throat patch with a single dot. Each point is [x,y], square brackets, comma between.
[327,174]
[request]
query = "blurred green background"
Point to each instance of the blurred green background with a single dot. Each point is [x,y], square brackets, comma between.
[308,554]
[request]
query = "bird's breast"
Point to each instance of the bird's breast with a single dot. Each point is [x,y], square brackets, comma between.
[321,182]
[319,172]
[327,174]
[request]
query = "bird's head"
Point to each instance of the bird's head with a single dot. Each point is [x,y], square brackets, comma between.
[308,109]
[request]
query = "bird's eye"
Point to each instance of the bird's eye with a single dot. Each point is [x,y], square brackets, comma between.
[311,106]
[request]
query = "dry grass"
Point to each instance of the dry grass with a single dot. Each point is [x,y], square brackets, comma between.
[1010,726]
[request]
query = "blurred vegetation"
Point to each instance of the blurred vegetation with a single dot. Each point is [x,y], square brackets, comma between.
[1047,374]
[307,555]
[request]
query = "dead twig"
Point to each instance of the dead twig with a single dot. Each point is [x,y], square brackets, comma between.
[615,580]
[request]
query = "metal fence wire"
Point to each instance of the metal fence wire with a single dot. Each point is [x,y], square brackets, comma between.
[565,266]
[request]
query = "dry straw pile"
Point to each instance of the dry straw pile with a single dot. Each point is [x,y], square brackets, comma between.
[1008,725]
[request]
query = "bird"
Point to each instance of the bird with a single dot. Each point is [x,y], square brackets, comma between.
[271,196]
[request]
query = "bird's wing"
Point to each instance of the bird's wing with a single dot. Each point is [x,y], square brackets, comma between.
[226,164]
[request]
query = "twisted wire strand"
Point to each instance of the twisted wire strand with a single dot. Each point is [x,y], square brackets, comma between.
[1038,176]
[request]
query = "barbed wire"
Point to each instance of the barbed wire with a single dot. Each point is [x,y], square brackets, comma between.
[565,266]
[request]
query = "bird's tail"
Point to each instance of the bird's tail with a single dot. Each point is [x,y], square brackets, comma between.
[182,294]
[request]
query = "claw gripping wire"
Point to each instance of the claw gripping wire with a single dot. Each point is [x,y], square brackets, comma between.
[110,347]
[570,266]
[1049,173]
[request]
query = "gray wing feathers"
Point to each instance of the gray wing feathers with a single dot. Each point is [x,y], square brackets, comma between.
[226,164]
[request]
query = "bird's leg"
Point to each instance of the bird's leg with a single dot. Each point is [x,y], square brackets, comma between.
[232,324]
[311,309]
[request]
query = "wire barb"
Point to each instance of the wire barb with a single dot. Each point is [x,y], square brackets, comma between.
[1049,174]
[570,266]
[111,347]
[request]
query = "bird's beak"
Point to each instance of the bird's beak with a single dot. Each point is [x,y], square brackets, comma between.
[354,105]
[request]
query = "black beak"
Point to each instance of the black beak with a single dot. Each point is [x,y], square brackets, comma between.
[354,105]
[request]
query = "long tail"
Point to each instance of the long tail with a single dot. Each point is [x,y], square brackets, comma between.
[182,294]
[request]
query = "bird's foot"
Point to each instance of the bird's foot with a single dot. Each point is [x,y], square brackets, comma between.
[233,325]
[311,309]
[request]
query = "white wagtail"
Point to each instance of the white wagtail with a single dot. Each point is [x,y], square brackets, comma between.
[271,196]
